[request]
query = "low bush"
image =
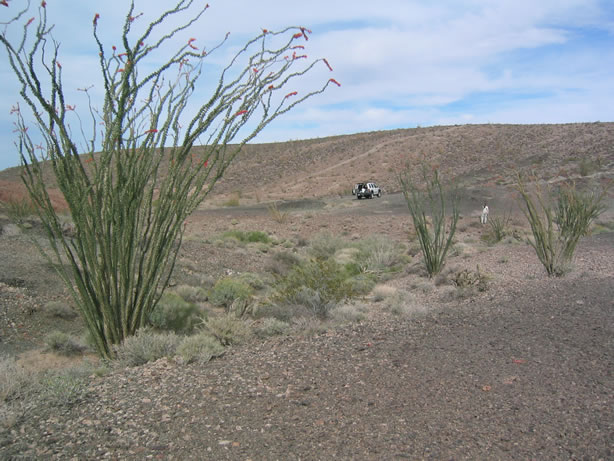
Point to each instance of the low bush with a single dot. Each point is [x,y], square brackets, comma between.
[227,329]
[271,327]
[227,290]
[62,389]
[324,245]
[281,262]
[191,293]
[14,380]
[173,313]
[60,310]
[63,344]
[380,254]
[318,284]
[146,346]
[199,348]
[349,312]
[247,237]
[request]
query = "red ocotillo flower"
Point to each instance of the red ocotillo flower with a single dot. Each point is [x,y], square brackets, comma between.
[30,21]
[96,18]
[43,3]
[294,93]
[153,130]
[327,64]
[4,2]
[332,80]
[241,112]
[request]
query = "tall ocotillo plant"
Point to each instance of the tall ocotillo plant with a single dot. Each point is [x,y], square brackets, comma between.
[129,201]
[428,203]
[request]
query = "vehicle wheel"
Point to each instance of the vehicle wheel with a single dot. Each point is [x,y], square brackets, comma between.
[379,194]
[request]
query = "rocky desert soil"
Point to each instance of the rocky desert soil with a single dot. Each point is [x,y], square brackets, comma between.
[521,370]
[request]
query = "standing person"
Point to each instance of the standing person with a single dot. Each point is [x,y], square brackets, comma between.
[484,217]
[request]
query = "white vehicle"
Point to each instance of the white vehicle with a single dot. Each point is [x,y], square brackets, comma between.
[366,190]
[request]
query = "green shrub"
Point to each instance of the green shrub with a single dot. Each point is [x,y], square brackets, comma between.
[227,290]
[146,346]
[191,293]
[247,237]
[63,344]
[557,229]
[60,310]
[227,329]
[380,254]
[173,313]
[199,348]
[427,208]
[62,389]
[318,284]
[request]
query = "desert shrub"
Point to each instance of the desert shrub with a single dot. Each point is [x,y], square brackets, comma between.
[247,237]
[318,284]
[255,281]
[349,312]
[281,262]
[191,293]
[227,329]
[62,389]
[199,348]
[381,292]
[282,312]
[14,380]
[324,245]
[173,313]
[271,327]
[18,210]
[60,310]
[427,208]
[227,290]
[499,227]
[400,302]
[380,254]
[557,229]
[232,201]
[277,215]
[63,344]
[466,278]
[361,284]
[146,346]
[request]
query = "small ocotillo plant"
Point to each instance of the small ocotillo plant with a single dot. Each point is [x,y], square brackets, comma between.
[428,203]
[129,201]
[558,228]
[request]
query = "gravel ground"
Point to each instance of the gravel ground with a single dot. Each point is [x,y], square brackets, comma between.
[523,370]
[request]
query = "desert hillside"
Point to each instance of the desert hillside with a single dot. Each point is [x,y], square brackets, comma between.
[476,154]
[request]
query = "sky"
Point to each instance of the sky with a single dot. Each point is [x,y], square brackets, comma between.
[400,63]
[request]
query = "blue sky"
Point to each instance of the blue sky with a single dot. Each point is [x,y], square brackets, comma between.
[401,63]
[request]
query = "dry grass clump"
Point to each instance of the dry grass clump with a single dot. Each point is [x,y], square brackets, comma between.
[227,329]
[60,310]
[146,346]
[199,348]
[63,344]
